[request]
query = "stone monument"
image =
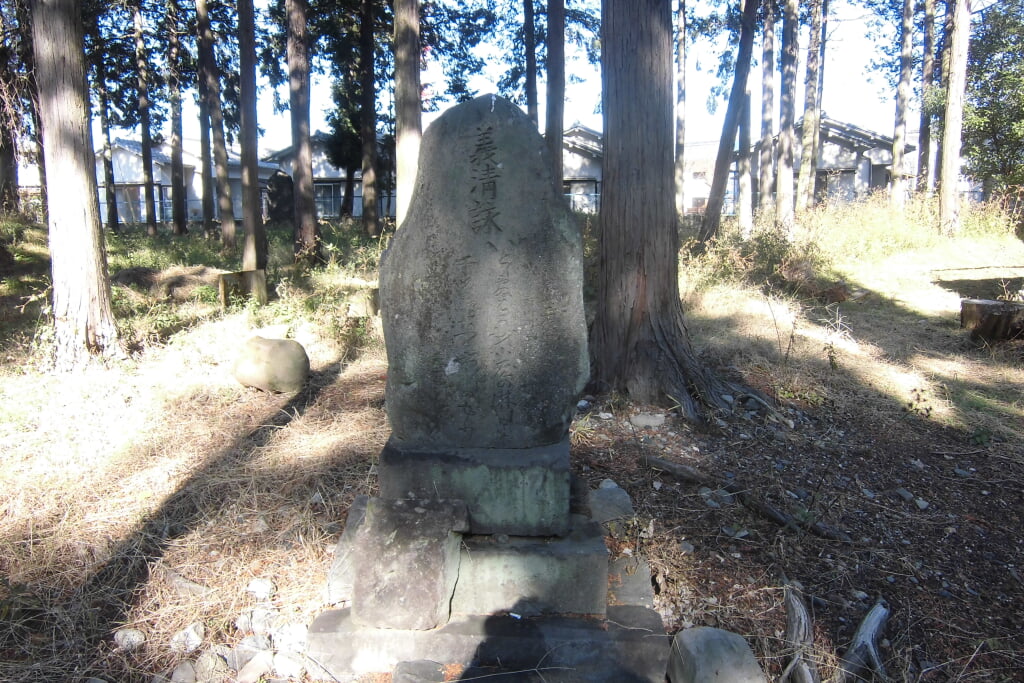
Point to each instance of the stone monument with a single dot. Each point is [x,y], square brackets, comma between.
[472,555]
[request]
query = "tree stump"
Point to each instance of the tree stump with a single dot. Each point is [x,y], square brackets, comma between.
[992,320]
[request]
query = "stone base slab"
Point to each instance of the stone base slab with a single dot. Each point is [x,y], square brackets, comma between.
[566,575]
[629,646]
[515,491]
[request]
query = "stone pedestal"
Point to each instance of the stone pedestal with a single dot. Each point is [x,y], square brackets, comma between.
[521,491]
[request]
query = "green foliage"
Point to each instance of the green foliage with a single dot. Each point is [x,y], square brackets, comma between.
[994,116]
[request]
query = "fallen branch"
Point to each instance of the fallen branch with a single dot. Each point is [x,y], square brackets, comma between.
[799,638]
[751,502]
[863,650]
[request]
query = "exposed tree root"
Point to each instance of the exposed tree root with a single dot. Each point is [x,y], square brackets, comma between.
[800,639]
[863,650]
[749,500]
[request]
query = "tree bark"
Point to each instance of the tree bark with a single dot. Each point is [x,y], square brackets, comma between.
[784,199]
[254,251]
[949,197]
[9,124]
[142,74]
[745,192]
[210,74]
[530,47]
[307,237]
[408,123]
[555,113]
[368,119]
[179,209]
[727,143]
[82,312]
[680,139]
[766,160]
[925,172]
[109,189]
[205,156]
[640,343]
[812,108]
[898,188]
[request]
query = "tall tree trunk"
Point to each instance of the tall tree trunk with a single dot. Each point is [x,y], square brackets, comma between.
[680,138]
[254,251]
[205,156]
[766,160]
[640,343]
[555,113]
[179,209]
[82,312]
[727,143]
[784,200]
[898,187]
[368,119]
[210,74]
[408,123]
[8,171]
[821,90]
[925,170]
[109,189]
[745,190]
[530,47]
[949,197]
[307,237]
[812,107]
[943,62]
[8,138]
[142,73]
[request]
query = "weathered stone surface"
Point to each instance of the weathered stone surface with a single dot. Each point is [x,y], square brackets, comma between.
[629,647]
[711,655]
[522,491]
[611,506]
[481,291]
[407,562]
[540,575]
[420,671]
[339,578]
[279,365]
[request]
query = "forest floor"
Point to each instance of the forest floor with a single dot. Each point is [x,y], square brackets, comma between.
[149,492]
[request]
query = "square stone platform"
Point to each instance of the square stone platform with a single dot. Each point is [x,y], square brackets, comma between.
[515,491]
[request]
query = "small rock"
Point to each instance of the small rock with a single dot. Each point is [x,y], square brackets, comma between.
[657,485]
[188,639]
[261,589]
[707,654]
[921,503]
[647,420]
[211,666]
[686,548]
[129,639]
[868,493]
[288,666]
[605,416]
[247,648]
[709,497]
[290,639]
[257,667]
[583,405]
[961,472]
[859,595]
[917,463]
[259,621]
[184,673]
[906,495]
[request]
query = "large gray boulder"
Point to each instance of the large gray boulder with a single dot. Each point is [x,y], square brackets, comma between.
[277,365]
[481,291]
